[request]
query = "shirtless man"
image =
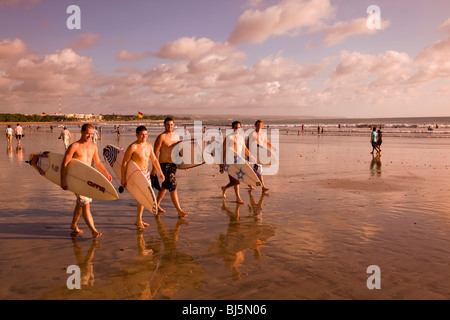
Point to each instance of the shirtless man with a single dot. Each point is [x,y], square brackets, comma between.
[140,152]
[256,138]
[85,151]
[236,142]
[164,144]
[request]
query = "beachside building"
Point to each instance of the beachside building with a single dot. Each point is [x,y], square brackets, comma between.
[87,117]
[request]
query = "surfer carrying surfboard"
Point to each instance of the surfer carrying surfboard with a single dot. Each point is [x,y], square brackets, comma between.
[255,139]
[164,144]
[140,151]
[86,151]
[234,141]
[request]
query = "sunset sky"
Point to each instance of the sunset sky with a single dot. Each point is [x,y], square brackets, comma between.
[252,57]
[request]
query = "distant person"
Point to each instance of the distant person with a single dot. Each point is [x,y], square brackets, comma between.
[9,133]
[164,144]
[65,136]
[86,151]
[373,139]
[236,142]
[18,131]
[95,137]
[379,140]
[140,151]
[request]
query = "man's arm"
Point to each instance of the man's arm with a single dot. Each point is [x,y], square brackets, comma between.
[126,159]
[157,150]
[156,164]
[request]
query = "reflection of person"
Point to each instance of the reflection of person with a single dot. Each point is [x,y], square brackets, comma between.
[85,261]
[86,151]
[140,151]
[234,141]
[259,138]
[239,238]
[177,269]
[65,136]
[164,144]
[375,165]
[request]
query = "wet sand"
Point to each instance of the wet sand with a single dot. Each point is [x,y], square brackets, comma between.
[332,211]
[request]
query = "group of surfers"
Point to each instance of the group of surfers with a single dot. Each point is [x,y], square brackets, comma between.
[142,152]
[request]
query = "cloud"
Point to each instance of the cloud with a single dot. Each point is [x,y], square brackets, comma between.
[27,4]
[39,79]
[85,41]
[288,17]
[125,55]
[340,31]
[11,51]
[445,27]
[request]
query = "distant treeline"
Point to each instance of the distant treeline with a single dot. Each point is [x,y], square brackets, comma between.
[118,117]
[17,118]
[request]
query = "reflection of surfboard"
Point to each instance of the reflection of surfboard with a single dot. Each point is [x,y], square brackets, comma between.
[82,178]
[241,170]
[137,184]
[187,154]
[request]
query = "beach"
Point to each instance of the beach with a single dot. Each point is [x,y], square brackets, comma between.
[332,211]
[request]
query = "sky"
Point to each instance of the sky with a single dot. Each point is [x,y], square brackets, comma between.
[302,58]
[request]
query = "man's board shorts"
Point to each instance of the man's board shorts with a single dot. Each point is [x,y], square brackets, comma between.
[82,200]
[169,170]
[233,181]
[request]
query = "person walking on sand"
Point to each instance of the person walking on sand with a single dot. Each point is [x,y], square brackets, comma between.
[234,141]
[373,139]
[9,134]
[164,144]
[65,136]
[140,151]
[86,151]
[379,140]
[18,131]
[256,139]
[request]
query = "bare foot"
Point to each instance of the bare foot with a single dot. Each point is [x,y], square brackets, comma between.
[240,201]
[251,187]
[96,235]
[141,225]
[182,214]
[76,230]
[160,210]
[264,189]
[223,192]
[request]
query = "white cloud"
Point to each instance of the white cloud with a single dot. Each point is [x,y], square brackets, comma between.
[288,17]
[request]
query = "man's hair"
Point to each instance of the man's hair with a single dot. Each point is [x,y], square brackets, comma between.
[168,119]
[140,129]
[258,122]
[86,126]
[235,123]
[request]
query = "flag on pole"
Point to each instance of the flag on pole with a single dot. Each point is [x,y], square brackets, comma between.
[140,114]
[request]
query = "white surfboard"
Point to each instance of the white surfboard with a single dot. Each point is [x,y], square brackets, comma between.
[265,155]
[188,154]
[240,169]
[137,184]
[82,178]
